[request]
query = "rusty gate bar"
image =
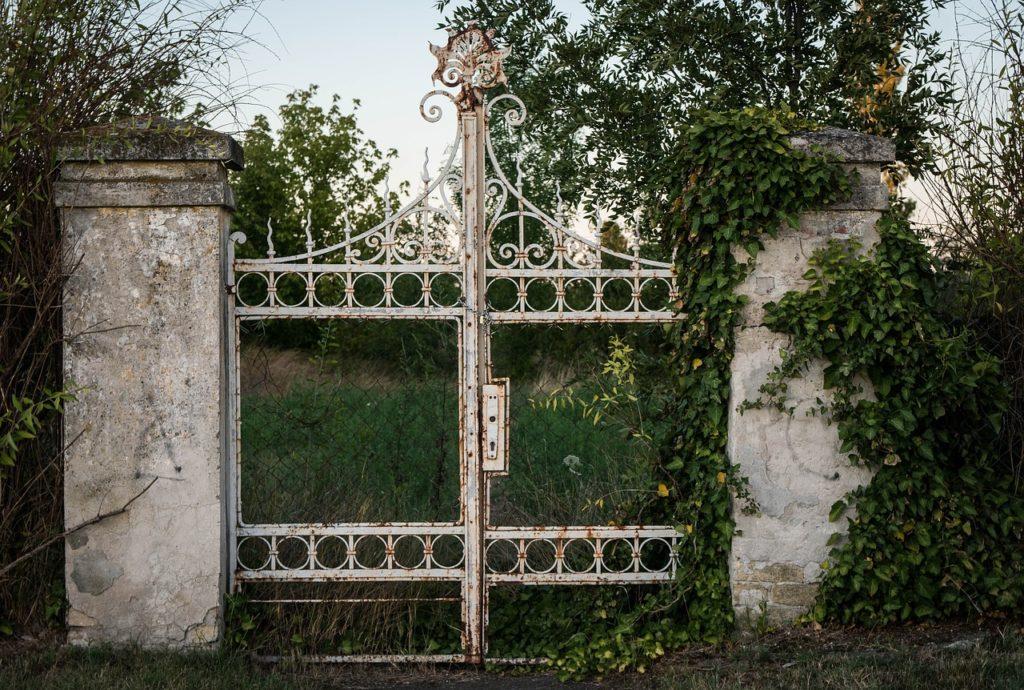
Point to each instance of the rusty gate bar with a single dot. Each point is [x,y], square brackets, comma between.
[473,379]
[432,239]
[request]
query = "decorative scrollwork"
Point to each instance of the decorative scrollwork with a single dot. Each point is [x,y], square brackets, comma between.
[472,61]
[540,269]
[434,112]
[396,266]
[410,264]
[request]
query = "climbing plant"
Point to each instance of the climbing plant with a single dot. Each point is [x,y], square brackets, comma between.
[939,530]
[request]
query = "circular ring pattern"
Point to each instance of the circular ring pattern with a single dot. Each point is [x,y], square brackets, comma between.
[370,552]
[502,556]
[293,553]
[410,552]
[331,552]
[441,546]
[248,561]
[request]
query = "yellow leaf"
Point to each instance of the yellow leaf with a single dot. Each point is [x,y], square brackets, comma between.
[697,363]
[689,529]
[721,477]
[662,490]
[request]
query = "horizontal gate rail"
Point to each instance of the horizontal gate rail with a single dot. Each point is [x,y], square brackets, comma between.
[581,555]
[581,317]
[350,552]
[260,313]
[329,575]
[284,529]
[260,266]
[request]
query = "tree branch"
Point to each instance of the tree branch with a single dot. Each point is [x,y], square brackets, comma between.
[92,521]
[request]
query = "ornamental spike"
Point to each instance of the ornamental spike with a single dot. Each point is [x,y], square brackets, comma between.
[270,240]
[309,230]
[425,174]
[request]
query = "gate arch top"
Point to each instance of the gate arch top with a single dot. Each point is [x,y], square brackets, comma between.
[536,267]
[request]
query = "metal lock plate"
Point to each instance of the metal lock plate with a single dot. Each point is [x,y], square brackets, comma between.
[495,422]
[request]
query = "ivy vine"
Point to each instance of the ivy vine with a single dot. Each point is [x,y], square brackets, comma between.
[939,531]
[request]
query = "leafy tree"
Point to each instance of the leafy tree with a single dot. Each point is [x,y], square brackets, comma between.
[607,100]
[319,163]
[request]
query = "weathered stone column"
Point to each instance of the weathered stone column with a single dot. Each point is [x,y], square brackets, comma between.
[795,469]
[145,207]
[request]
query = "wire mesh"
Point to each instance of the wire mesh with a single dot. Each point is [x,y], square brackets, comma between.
[585,422]
[361,425]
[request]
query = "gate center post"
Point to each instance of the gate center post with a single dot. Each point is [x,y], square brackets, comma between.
[474,376]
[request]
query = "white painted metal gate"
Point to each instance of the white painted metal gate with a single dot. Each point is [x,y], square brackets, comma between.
[435,240]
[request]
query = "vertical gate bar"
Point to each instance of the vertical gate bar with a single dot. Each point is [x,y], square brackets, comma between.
[474,377]
[232,426]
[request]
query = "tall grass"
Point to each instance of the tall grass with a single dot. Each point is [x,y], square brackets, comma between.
[331,452]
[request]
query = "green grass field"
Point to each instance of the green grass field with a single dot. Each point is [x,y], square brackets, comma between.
[332,452]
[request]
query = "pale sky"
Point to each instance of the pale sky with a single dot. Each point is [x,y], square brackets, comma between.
[375,51]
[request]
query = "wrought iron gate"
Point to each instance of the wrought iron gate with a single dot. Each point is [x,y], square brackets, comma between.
[434,240]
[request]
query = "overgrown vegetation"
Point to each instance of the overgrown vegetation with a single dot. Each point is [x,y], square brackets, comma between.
[708,181]
[974,203]
[710,199]
[623,88]
[66,65]
[335,437]
[681,110]
[732,180]
[938,531]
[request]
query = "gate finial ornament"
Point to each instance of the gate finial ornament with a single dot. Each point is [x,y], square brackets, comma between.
[471,60]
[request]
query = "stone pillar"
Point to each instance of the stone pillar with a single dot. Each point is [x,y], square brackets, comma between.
[145,207]
[795,469]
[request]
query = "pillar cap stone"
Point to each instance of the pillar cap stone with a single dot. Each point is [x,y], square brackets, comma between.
[847,145]
[150,138]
